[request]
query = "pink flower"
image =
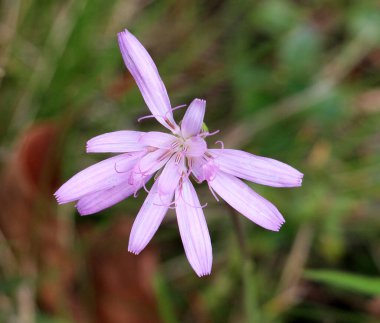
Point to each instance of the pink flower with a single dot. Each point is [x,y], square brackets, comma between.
[179,154]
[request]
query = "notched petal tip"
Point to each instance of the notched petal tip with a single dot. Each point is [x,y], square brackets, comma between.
[243,199]
[58,196]
[133,251]
[193,229]
[204,274]
[124,34]
[277,228]
[301,179]
[119,34]
[200,101]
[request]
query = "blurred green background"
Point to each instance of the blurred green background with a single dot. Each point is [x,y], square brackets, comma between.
[294,80]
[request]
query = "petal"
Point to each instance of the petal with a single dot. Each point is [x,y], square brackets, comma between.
[145,73]
[256,169]
[101,176]
[204,169]
[152,161]
[101,200]
[193,119]
[171,174]
[157,139]
[195,146]
[148,219]
[196,168]
[193,229]
[115,142]
[242,198]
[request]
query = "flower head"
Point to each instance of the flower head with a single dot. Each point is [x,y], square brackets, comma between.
[178,155]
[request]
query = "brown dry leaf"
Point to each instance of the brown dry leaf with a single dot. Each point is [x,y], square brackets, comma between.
[368,102]
[373,307]
[41,245]
[120,86]
[122,282]
[28,218]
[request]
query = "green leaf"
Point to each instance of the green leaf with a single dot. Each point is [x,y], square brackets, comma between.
[164,299]
[351,282]
[204,127]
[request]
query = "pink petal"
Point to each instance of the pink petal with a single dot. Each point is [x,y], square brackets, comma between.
[148,219]
[169,178]
[101,200]
[145,73]
[101,176]
[193,119]
[152,161]
[193,229]
[157,139]
[256,169]
[115,142]
[196,147]
[242,198]
[204,169]
[196,168]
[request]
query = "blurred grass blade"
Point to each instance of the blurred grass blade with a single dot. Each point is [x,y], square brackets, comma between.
[351,282]
[164,301]
[250,293]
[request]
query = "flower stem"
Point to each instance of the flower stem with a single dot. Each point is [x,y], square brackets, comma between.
[252,311]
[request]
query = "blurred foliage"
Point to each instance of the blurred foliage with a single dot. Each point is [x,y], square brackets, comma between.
[350,282]
[295,80]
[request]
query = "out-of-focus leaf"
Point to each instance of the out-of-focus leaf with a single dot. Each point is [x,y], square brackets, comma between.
[365,19]
[274,16]
[348,281]
[164,299]
[43,318]
[300,52]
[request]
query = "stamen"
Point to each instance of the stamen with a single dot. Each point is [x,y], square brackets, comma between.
[164,118]
[212,192]
[221,143]
[207,156]
[213,133]
[191,205]
[157,175]
[175,144]
[118,171]
[196,207]
[149,117]
[145,189]
[164,155]
[178,158]
[208,134]
[179,107]
[169,123]
[190,163]
[196,179]
[167,205]
[188,173]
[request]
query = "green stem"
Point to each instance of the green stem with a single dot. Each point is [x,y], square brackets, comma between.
[251,307]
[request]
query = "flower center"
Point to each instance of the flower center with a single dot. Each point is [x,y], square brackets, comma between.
[192,147]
